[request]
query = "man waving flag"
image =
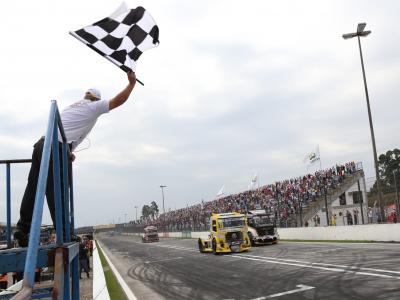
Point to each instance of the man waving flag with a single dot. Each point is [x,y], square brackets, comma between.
[122,37]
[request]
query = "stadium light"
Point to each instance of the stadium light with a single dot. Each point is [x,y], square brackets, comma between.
[163,207]
[362,33]
[360,27]
[136,207]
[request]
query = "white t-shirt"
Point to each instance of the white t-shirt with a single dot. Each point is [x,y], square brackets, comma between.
[79,118]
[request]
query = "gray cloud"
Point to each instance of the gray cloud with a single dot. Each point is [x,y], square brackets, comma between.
[229,93]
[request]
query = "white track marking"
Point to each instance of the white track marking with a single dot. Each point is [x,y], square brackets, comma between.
[301,288]
[287,263]
[177,248]
[310,265]
[296,263]
[360,268]
[329,250]
[323,264]
[166,246]
[161,260]
[376,275]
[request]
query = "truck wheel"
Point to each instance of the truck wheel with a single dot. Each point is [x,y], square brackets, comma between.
[251,238]
[201,247]
[214,247]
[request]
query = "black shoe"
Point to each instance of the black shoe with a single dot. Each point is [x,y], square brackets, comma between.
[22,238]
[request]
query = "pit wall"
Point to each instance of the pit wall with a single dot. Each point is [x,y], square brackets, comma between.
[374,232]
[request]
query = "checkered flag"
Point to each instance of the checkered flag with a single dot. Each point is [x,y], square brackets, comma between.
[121,37]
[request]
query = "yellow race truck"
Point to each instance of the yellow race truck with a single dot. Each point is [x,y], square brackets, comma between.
[228,233]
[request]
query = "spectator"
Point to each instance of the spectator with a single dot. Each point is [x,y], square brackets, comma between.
[333,222]
[283,200]
[78,120]
[349,218]
[355,214]
[83,260]
[16,277]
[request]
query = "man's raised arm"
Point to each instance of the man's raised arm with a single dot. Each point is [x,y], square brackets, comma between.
[124,94]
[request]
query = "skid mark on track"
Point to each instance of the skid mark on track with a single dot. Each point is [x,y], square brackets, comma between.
[161,260]
[303,264]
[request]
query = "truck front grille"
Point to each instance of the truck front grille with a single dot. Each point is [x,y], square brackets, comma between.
[234,236]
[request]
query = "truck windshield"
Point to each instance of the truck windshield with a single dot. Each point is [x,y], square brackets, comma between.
[259,220]
[232,222]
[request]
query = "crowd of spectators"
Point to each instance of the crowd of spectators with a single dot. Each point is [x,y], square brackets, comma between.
[284,200]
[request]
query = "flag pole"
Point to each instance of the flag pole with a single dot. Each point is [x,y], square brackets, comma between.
[139,81]
[319,157]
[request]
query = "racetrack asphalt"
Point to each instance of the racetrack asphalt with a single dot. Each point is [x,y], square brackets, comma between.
[174,269]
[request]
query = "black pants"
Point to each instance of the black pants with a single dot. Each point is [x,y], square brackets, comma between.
[3,285]
[28,200]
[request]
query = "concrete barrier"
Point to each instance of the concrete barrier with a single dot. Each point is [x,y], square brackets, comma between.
[372,232]
[200,234]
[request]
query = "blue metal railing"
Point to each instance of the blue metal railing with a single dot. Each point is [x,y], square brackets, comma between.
[66,253]
[8,189]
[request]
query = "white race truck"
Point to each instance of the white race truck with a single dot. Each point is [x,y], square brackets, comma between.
[261,228]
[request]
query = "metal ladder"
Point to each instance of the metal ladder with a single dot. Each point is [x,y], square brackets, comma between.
[62,255]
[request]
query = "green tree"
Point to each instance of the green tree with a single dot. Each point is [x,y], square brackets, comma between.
[146,212]
[154,209]
[387,164]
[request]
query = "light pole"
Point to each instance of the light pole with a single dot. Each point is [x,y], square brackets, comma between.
[361,33]
[397,195]
[326,207]
[136,213]
[163,207]
[125,218]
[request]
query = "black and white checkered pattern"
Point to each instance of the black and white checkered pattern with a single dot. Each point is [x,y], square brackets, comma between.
[122,37]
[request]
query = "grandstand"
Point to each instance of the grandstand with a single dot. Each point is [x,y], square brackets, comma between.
[294,202]
[345,198]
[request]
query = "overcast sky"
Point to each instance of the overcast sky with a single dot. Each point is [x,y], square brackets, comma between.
[235,88]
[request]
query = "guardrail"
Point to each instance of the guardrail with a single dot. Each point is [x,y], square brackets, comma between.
[8,188]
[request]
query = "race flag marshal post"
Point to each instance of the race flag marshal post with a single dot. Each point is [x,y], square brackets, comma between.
[122,37]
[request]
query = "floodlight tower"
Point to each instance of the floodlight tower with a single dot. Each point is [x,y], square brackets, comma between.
[163,207]
[363,33]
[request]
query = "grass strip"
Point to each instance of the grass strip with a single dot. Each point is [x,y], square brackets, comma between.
[114,288]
